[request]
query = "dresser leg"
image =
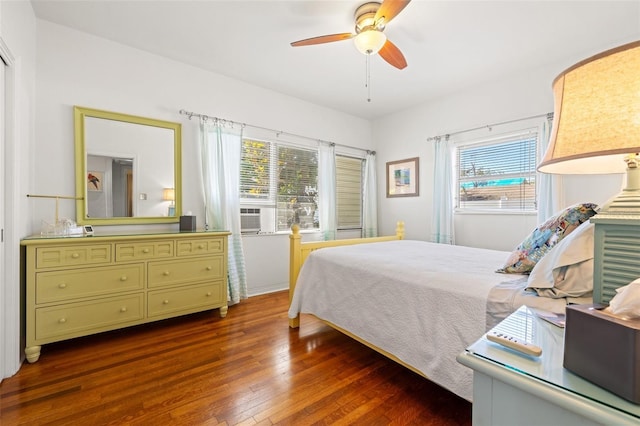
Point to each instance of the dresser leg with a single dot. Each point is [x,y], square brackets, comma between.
[223,311]
[32,353]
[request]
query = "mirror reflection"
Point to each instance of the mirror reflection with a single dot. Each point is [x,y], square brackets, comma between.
[126,163]
[109,186]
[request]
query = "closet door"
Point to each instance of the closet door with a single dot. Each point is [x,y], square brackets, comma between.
[3,174]
[3,181]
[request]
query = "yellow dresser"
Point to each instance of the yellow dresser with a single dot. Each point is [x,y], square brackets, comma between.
[76,286]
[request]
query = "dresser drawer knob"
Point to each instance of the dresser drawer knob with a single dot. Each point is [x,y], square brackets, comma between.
[208,294]
[165,302]
[75,255]
[209,268]
[201,246]
[62,320]
[62,285]
[166,273]
[123,309]
[145,251]
[123,278]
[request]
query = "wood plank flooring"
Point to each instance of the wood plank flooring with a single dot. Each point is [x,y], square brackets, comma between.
[246,369]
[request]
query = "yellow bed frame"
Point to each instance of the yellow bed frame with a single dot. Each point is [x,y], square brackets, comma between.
[298,252]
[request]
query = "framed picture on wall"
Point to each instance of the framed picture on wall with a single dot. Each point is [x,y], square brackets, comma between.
[403,178]
[94,181]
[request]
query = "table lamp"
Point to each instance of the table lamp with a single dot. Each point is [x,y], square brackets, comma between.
[169,194]
[596,130]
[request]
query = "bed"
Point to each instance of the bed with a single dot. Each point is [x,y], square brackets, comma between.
[419,303]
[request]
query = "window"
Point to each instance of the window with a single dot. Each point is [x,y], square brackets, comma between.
[297,188]
[255,172]
[499,174]
[278,182]
[349,192]
[282,180]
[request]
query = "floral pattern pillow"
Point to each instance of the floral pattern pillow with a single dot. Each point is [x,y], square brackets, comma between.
[545,237]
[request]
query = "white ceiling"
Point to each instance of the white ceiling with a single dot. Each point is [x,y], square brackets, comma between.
[449,45]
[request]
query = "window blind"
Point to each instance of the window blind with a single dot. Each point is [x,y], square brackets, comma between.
[255,172]
[499,174]
[349,191]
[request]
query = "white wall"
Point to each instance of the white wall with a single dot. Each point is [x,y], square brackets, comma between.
[75,68]
[404,135]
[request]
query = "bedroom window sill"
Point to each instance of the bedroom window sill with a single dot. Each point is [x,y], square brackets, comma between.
[342,233]
[495,212]
[280,233]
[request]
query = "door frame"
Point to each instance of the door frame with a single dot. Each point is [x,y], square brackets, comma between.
[10,288]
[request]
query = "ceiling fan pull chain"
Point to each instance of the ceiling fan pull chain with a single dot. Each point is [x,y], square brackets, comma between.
[367,83]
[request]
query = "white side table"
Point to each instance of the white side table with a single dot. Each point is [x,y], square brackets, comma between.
[510,388]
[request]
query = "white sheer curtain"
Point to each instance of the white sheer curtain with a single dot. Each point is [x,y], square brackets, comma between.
[369,199]
[327,190]
[442,208]
[549,186]
[221,148]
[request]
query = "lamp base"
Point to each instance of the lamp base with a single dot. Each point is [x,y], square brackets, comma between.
[626,202]
[616,243]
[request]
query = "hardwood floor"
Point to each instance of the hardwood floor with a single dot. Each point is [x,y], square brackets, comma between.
[248,368]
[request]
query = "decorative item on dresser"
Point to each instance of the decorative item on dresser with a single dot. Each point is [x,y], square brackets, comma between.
[76,286]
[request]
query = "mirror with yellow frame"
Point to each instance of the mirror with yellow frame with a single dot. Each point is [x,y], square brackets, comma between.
[128,168]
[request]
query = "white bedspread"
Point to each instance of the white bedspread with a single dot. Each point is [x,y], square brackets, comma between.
[422,302]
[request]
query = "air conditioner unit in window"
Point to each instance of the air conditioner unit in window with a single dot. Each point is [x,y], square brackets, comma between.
[249,220]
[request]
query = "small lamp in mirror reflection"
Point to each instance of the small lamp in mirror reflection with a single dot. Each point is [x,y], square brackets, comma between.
[596,130]
[169,194]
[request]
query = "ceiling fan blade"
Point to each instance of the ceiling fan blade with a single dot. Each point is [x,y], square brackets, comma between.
[393,55]
[323,39]
[389,9]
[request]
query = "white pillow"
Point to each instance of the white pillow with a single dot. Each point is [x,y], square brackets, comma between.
[567,270]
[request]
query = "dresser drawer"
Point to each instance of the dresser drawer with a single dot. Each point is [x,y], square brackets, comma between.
[185,271]
[54,257]
[186,299]
[78,319]
[200,246]
[143,250]
[72,284]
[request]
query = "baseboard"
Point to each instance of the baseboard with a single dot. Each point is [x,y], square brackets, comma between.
[266,289]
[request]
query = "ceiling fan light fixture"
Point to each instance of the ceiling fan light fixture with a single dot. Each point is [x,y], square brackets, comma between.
[369,42]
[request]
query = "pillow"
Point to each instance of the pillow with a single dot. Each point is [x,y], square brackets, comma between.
[545,236]
[567,271]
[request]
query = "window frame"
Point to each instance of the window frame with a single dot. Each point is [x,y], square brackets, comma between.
[524,135]
[270,202]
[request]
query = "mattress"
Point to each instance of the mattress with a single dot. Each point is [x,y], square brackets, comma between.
[422,302]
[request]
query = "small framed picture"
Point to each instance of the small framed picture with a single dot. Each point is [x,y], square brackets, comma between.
[94,181]
[403,178]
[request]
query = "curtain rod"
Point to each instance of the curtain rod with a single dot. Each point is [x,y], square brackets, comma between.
[549,116]
[205,118]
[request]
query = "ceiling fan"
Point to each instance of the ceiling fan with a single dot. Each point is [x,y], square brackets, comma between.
[371,19]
